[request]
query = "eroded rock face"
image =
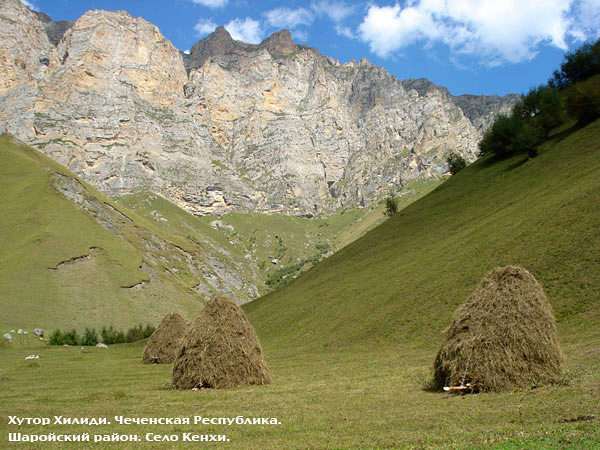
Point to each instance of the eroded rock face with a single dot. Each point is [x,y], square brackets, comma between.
[275,127]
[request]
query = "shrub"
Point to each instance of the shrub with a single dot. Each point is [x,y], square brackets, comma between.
[456,163]
[89,337]
[109,336]
[583,103]
[70,338]
[55,338]
[542,109]
[112,336]
[138,333]
[499,138]
[391,206]
[528,140]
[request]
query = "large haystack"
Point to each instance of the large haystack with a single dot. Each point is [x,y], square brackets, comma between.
[165,341]
[220,350]
[502,337]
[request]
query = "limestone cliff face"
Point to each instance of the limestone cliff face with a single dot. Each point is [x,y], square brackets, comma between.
[275,127]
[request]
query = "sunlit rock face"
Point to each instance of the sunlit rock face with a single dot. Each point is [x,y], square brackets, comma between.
[275,127]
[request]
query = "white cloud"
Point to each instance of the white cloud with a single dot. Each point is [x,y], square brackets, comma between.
[344,31]
[187,51]
[335,10]
[587,24]
[247,30]
[30,5]
[210,3]
[289,18]
[204,27]
[497,32]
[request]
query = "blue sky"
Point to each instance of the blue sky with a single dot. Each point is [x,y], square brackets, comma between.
[469,46]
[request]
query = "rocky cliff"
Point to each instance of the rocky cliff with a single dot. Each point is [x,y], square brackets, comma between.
[275,127]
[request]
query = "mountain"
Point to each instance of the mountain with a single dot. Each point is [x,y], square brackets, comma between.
[274,127]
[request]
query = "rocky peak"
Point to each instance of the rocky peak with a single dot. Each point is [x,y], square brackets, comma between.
[54,30]
[280,44]
[219,42]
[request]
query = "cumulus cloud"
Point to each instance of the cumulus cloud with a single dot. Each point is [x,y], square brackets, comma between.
[337,11]
[210,3]
[497,32]
[289,18]
[204,27]
[30,5]
[247,30]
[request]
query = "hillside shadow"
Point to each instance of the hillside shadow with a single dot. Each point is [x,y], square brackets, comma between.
[558,137]
[516,164]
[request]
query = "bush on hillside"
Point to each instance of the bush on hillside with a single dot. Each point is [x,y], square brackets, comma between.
[89,337]
[455,162]
[391,206]
[583,103]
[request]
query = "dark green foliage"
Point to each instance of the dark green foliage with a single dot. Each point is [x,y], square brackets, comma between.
[543,108]
[138,333]
[391,206]
[89,337]
[583,103]
[528,139]
[456,163]
[70,338]
[55,338]
[112,336]
[499,139]
[578,66]
[148,331]
[109,336]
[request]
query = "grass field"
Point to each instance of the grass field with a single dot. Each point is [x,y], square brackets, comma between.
[351,342]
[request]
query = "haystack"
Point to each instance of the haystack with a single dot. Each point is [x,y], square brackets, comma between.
[220,350]
[503,337]
[165,341]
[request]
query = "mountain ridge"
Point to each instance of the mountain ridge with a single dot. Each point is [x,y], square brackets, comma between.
[274,127]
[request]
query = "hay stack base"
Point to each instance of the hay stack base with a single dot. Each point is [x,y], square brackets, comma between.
[220,350]
[503,337]
[164,343]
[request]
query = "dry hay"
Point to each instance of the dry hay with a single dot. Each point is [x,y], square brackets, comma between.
[503,337]
[220,350]
[165,341]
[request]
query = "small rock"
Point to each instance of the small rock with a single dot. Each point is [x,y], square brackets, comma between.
[8,336]
[101,345]
[38,332]
[32,357]
[12,331]
[20,331]
[25,332]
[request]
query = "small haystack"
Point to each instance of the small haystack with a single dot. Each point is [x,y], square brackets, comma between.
[165,341]
[502,337]
[220,350]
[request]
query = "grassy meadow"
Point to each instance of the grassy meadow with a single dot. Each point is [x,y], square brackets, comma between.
[351,342]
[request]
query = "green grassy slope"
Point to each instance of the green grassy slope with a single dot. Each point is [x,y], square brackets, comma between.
[43,284]
[402,281]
